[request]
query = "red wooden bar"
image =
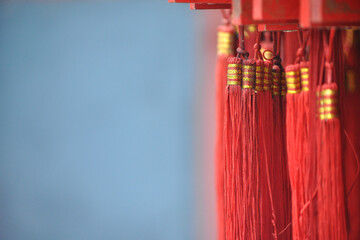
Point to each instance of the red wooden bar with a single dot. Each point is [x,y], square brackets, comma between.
[243,13]
[275,10]
[284,15]
[329,12]
[201,1]
[206,6]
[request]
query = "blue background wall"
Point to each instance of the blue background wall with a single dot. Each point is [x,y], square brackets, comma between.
[95,120]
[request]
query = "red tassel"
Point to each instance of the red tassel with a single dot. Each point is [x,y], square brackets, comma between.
[278,167]
[297,136]
[293,148]
[226,48]
[304,151]
[232,147]
[330,181]
[316,65]
[331,207]
[263,110]
[280,178]
[249,192]
[285,232]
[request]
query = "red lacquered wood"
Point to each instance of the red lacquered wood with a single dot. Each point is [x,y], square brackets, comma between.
[206,6]
[278,27]
[243,14]
[309,13]
[329,13]
[275,10]
[200,1]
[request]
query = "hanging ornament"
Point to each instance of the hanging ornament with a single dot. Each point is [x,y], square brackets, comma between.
[278,168]
[330,183]
[225,49]
[232,147]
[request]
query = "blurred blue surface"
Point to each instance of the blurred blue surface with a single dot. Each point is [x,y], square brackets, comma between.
[95,120]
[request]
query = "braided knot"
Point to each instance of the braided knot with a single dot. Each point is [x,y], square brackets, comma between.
[242,52]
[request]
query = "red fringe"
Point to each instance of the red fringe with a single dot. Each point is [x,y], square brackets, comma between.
[327,204]
[331,207]
[293,131]
[281,190]
[265,113]
[285,208]
[250,182]
[303,152]
[316,60]
[232,157]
